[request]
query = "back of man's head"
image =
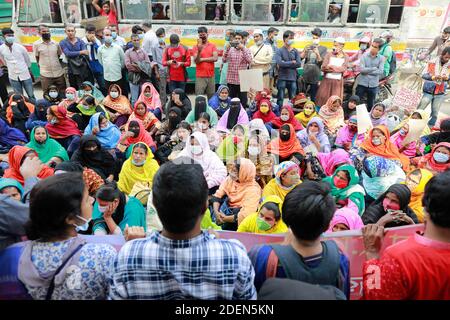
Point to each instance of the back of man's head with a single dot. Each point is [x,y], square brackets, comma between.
[308,210]
[437,192]
[180,193]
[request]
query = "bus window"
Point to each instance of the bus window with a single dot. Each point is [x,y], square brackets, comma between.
[258,11]
[160,10]
[320,11]
[395,11]
[190,10]
[375,11]
[216,10]
[72,10]
[39,11]
[135,10]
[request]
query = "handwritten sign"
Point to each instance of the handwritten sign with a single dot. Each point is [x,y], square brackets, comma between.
[251,78]
[406,99]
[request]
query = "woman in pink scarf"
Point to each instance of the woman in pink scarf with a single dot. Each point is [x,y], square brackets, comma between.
[348,136]
[397,139]
[330,161]
[150,96]
[332,115]
[345,219]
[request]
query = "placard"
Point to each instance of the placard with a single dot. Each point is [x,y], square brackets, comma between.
[251,79]
[407,99]
[416,127]
[363,118]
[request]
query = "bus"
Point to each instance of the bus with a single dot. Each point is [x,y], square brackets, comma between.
[414,23]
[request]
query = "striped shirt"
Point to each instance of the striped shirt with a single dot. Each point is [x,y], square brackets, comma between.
[237,60]
[199,268]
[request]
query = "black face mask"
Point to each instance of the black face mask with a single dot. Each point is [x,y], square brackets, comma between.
[285,136]
[136,131]
[46,36]
[174,120]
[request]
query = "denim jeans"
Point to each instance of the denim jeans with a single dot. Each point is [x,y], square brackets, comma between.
[282,85]
[371,93]
[176,85]
[436,102]
[18,87]
[135,90]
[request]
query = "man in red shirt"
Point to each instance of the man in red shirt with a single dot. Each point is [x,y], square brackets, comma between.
[205,54]
[416,268]
[107,10]
[177,58]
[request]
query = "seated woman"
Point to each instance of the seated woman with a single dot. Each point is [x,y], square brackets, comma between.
[267,220]
[150,96]
[378,143]
[92,180]
[11,188]
[437,161]
[140,167]
[443,135]
[287,177]
[63,200]
[345,219]
[391,208]
[114,211]
[63,129]
[134,133]
[106,132]
[264,111]
[148,119]
[16,157]
[49,151]
[314,136]
[345,188]
[169,125]
[332,115]
[117,105]
[350,106]
[255,99]
[39,116]
[348,137]
[238,195]
[179,100]
[71,97]
[378,115]
[286,116]
[298,103]
[324,165]
[257,127]
[51,95]
[172,148]
[233,146]
[87,88]
[197,148]
[91,155]
[10,137]
[418,114]
[220,101]
[18,111]
[286,147]
[203,125]
[236,114]
[84,110]
[398,139]
[263,162]
[200,107]
[416,181]
[308,112]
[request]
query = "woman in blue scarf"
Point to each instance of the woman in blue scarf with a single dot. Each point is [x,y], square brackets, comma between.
[39,116]
[107,133]
[220,101]
[10,137]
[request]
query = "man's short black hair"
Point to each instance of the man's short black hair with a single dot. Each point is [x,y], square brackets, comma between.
[174,39]
[434,201]
[287,34]
[317,32]
[6,31]
[245,34]
[447,30]
[272,30]
[308,209]
[135,29]
[239,33]
[90,28]
[445,51]
[160,32]
[180,193]
[202,30]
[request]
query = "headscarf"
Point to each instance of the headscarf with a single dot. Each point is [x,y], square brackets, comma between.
[109,137]
[6,182]
[186,106]
[41,115]
[92,179]
[97,94]
[101,161]
[353,191]
[387,150]
[228,150]
[121,104]
[200,107]
[130,174]
[47,150]
[332,119]
[65,127]
[303,135]
[283,168]
[417,194]
[92,109]
[347,110]
[49,99]
[277,122]
[410,150]
[154,102]
[286,148]
[346,136]
[24,107]
[428,162]
[303,118]
[10,136]
[66,102]
[144,136]
[266,117]
[257,127]
[218,105]
[15,156]
[148,119]
[233,116]
[330,161]
[381,120]
[347,217]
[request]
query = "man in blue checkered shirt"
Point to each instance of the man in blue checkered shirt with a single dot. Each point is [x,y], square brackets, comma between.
[182,261]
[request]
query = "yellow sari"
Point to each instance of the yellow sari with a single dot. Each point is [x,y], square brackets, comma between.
[416,195]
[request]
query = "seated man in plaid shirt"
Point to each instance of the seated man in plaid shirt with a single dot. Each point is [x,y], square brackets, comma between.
[182,261]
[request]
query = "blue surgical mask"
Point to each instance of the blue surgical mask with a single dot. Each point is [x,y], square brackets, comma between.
[84,226]
[53,94]
[440,157]
[10,39]
[70,96]
[114,35]
[138,164]
[290,42]
[402,132]
[108,39]
[141,36]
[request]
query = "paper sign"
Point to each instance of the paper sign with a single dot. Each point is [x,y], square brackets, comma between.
[251,78]
[416,127]
[406,98]
[363,118]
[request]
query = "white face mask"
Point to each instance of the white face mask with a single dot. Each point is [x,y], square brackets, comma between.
[53,94]
[84,226]
[102,209]
[253,151]
[114,94]
[316,41]
[70,96]
[284,118]
[203,126]
[196,150]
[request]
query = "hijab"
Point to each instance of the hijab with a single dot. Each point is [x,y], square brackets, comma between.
[23,107]
[51,100]
[332,119]
[348,217]
[148,119]
[66,102]
[200,106]
[303,118]
[257,127]
[15,157]
[219,105]
[109,137]
[282,169]
[232,115]
[10,136]
[172,124]
[143,136]
[347,110]
[186,107]
[428,162]
[417,194]
[266,117]
[7,182]
[40,110]
[230,149]
[305,141]
[47,150]
[121,104]
[330,161]
[65,127]
[92,109]
[97,94]
[277,122]
[153,102]
[286,148]
[381,120]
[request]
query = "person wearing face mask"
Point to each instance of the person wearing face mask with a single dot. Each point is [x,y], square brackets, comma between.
[141,112]
[364,44]
[314,136]
[39,116]
[168,126]
[287,146]
[61,208]
[229,37]
[439,43]
[52,95]
[134,133]
[308,112]
[203,125]
[71,97]
[160,71]
[233,116]
[334,65]
[409,149]
[267,220]
[348,137]
[345,188]
[257,153]
[84,110]
[49,151]
[139,167]
[262,56]
[391,208]
[201,106]
[117,40]
[177,58]
[92,46]
[47,53]
[286,116]
[114,211]
[416,181]
[88,88]
[437,161]
[264,112]
[234,145]
[220,101]
[287,177]
[151,98]
[107,133]
[172,148]
[117,105]
[181,101]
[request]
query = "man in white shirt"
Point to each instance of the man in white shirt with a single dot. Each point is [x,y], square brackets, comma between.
[112,58]
[262,56]
[18,62]
[150,39]
[117,40]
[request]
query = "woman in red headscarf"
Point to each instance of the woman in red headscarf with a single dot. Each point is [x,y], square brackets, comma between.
[437,161]
[286,116]
[135,132]
[264,112]
[16,157]
[149,120]
[287,145]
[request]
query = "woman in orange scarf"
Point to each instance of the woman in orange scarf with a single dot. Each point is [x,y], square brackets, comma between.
[16,157]
[149,120]
[287,145]
[117,105]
